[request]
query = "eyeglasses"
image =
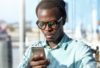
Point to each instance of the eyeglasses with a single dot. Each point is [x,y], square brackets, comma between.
[52,24]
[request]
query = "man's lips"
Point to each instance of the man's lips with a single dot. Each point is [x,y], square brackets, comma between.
[49,35]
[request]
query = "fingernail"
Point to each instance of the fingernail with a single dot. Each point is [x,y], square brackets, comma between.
[35,55]
[41,55]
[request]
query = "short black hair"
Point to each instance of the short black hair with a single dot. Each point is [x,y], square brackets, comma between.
[48,4]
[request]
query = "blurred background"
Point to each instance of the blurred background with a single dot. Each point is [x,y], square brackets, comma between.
[18,28]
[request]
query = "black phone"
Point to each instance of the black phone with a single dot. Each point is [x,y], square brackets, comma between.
[38,51]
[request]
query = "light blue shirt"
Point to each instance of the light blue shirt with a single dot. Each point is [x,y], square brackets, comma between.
[69,53]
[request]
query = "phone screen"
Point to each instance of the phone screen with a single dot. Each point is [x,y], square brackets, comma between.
[38,51]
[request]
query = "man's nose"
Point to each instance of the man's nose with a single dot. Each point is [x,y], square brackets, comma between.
[48,28]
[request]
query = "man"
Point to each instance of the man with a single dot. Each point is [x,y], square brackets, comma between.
[61,51]
[98,31]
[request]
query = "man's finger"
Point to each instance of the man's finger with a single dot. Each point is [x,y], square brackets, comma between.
[37,57]
[41,66]
[41,62]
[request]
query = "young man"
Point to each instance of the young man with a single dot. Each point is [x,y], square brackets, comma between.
[61,51]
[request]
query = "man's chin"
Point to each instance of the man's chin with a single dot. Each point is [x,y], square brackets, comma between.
[49,40]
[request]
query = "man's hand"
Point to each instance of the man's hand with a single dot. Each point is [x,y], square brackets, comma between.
[38,61]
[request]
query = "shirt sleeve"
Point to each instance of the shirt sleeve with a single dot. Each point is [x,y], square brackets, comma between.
[85,57]
[25,59]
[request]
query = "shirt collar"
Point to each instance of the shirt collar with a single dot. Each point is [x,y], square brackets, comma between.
[63,42]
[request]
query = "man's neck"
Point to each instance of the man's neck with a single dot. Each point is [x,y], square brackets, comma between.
[53,44]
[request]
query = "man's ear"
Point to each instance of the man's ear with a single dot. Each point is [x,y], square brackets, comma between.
[63,20]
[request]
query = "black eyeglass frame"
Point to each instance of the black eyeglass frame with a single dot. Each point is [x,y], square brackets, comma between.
[56,23]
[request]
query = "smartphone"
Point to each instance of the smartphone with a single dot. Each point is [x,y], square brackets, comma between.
[38,51]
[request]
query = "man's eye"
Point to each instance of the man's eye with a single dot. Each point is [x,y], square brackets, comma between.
[41,24]
[51,23]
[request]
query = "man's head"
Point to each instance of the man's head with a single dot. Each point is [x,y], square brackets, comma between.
[59,4]
[51,18]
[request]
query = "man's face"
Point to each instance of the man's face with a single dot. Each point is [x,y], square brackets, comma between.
[53,26]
